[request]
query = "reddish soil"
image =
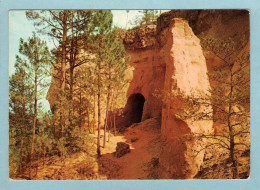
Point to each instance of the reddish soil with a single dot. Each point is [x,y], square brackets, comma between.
[140,163]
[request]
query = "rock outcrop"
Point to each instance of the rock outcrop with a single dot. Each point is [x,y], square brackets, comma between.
[186,73]
[168,60]
[173,63]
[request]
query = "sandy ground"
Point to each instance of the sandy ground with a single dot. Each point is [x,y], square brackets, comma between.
[140,163]
[136,164]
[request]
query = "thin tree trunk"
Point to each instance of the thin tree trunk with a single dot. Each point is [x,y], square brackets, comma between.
[99,111]
[73,54]
[21,152]
[21,148]
[63,68]
[109,132]
[80,108]
[231,135]
[35,111]
[111,110]
[94,115]
[108,96]
[71,96]
[114,115]
[232,156]
[114,124]
[34,118]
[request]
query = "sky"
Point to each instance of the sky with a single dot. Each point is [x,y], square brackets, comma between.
[20,27]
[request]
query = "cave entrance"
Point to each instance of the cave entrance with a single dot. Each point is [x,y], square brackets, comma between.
[135,104]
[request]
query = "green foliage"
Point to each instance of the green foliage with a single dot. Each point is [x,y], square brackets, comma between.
[35,62]
[81,140]
[45,142]
[102,21]
[31,72]
[148,17]
[20,117]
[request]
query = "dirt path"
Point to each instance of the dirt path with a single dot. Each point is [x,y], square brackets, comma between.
[143,158]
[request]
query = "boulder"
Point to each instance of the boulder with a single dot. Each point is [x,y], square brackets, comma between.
[122,149]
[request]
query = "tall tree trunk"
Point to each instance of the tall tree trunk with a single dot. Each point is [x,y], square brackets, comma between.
[71,98]
[233,160]
[71,95]
[34,117]
[21,156]
[94,115]
[99,110]
[114,115]
[105,128]
[108,97]
[109,130]
[80,108]
[110,118]
[63,68]
[35,113]
[73,52]
[231,135]
[23,133]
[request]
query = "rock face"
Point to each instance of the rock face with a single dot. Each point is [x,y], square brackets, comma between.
[186,73]
[172,63]
[222,24]
[122,149]
[167,61]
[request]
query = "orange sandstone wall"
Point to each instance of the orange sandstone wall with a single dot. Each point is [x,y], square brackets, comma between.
[170,63]
[148,80]
[186,73]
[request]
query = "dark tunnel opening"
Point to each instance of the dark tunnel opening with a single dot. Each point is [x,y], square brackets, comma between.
[135,104]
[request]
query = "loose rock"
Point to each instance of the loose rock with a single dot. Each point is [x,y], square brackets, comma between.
[122,149]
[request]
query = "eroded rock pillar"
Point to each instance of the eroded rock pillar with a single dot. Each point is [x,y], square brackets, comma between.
[186,74]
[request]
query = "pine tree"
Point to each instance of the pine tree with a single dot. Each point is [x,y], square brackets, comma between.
[103,24]
[71,29]
[20,118]
[115,65]
[149,17]
[35,65]
[80,30]
[55,24]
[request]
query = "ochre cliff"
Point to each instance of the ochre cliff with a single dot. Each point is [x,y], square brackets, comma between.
[168,59]
[170,65]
